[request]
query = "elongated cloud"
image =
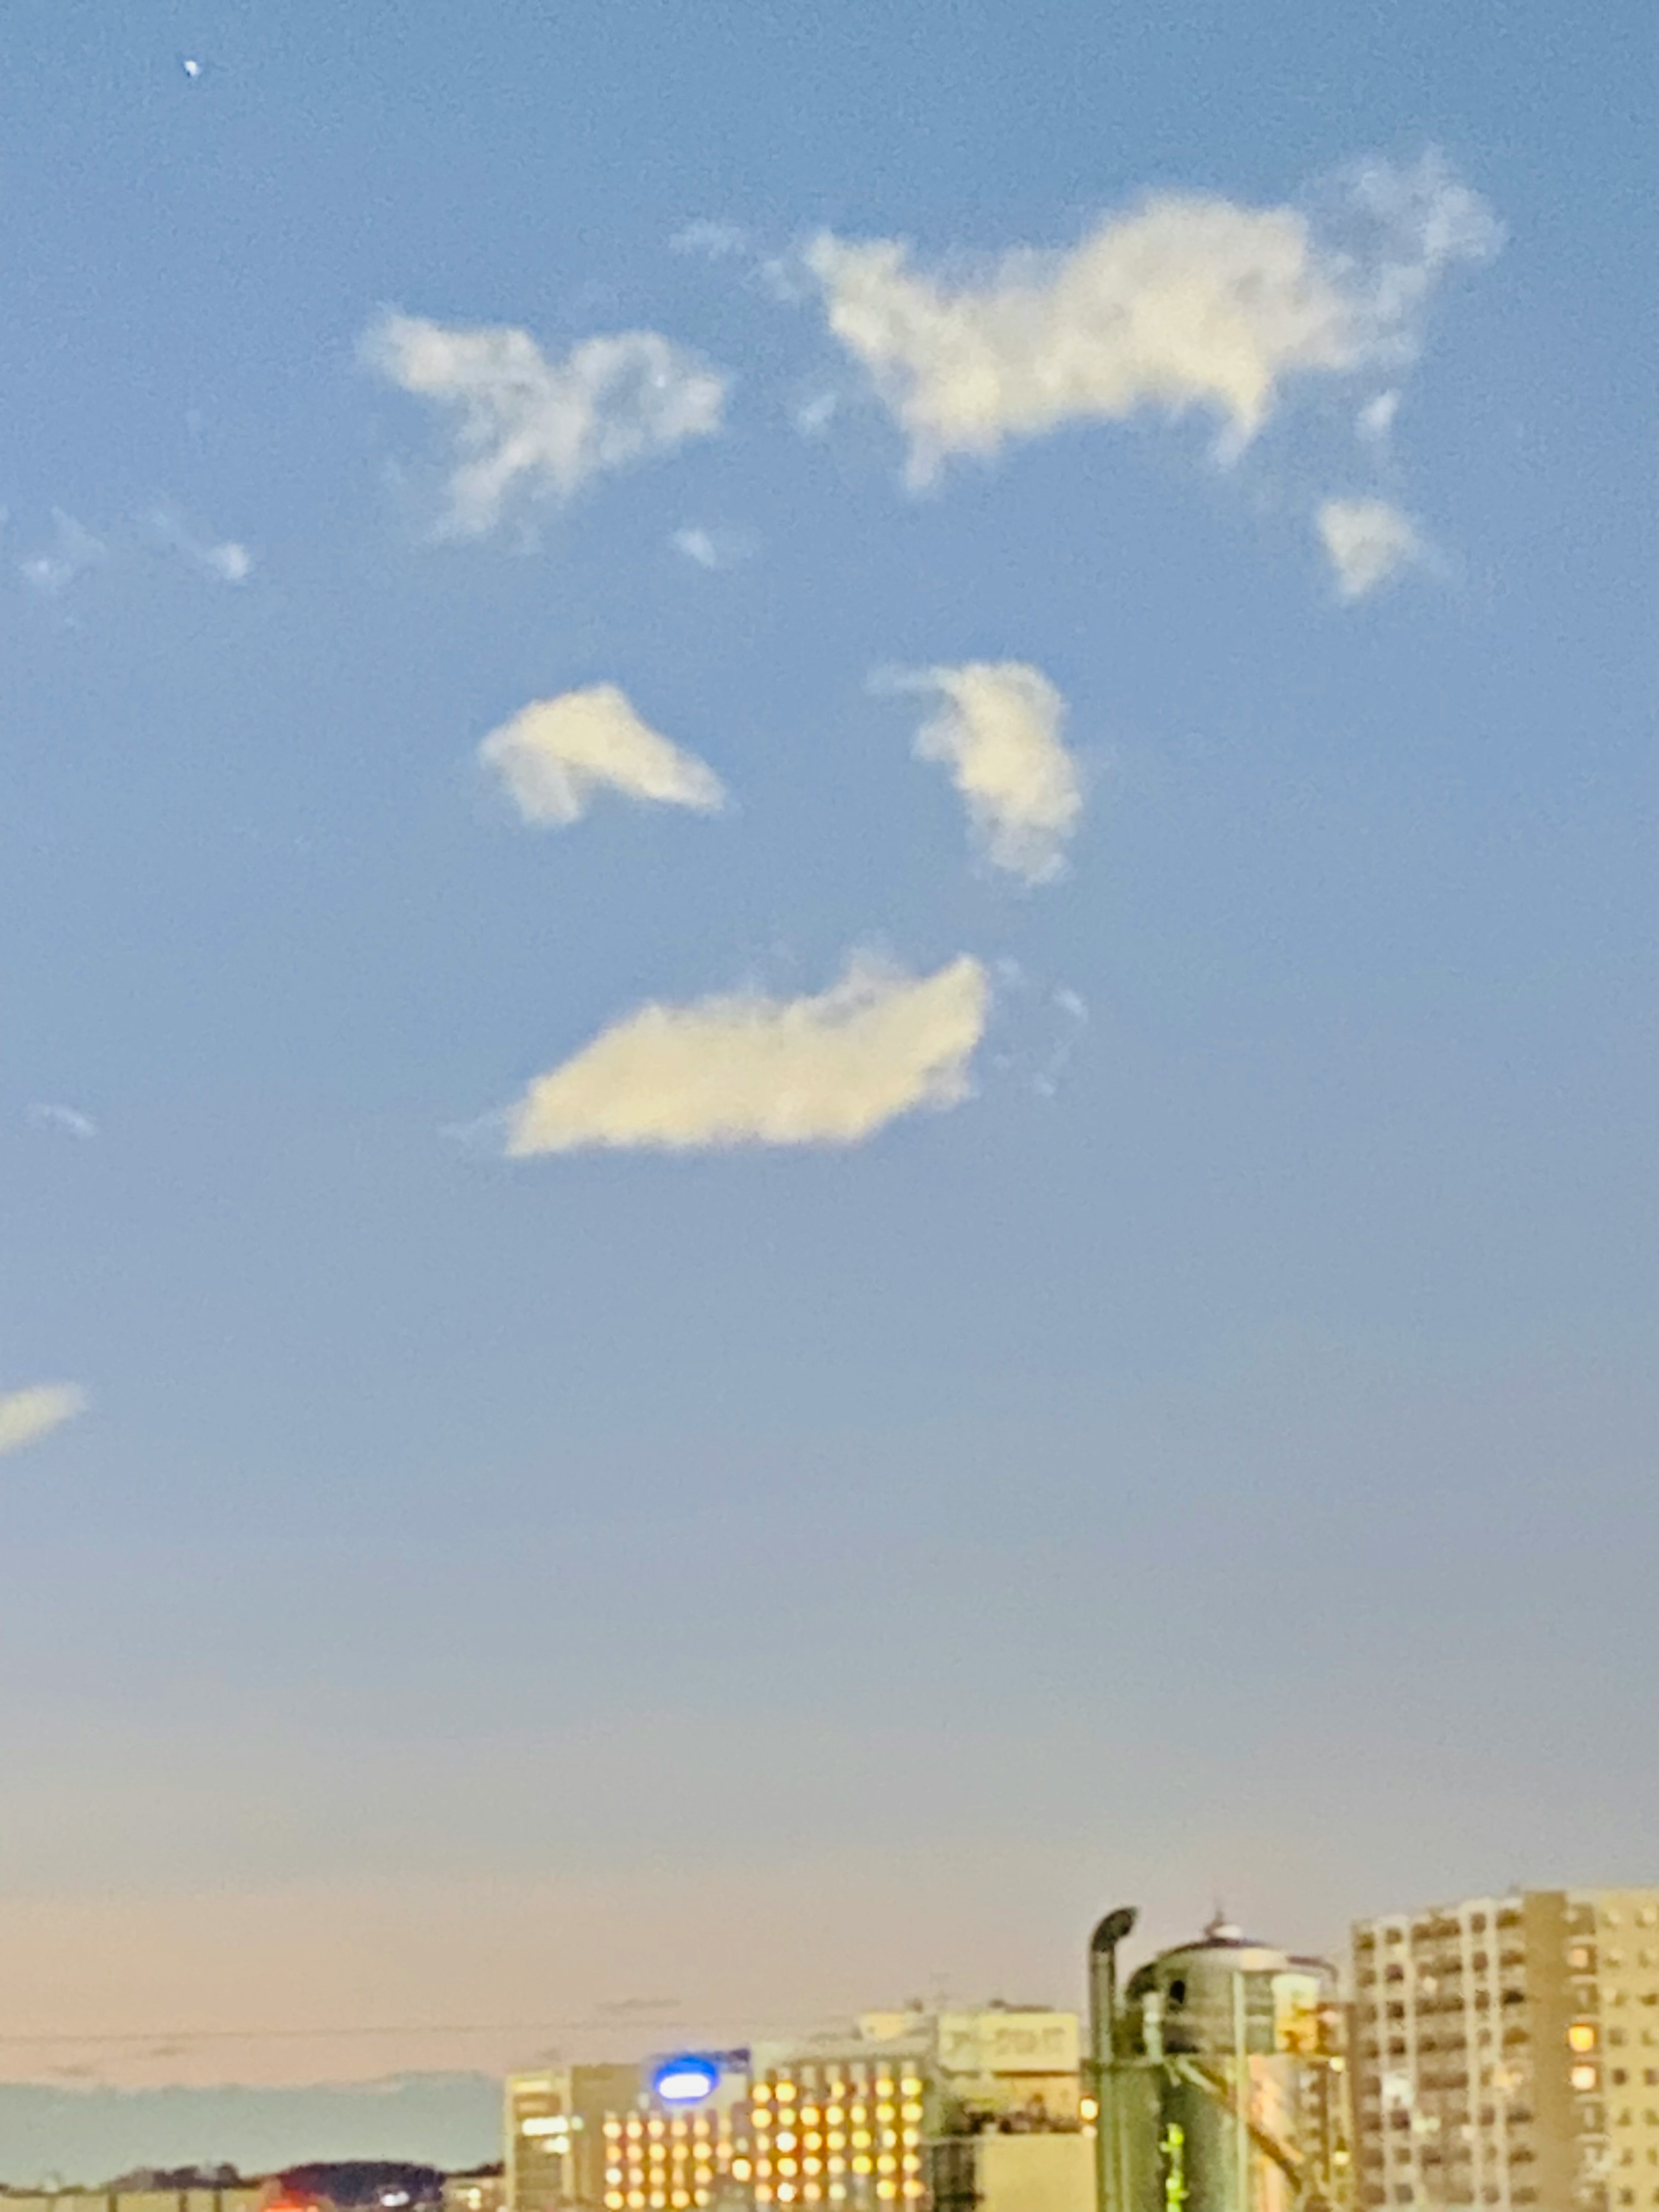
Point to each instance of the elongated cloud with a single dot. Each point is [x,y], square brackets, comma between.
[556,753]
[524,424]
[27,1415]
[745,1069]
[1367,541]
[1184,302]
[999,734]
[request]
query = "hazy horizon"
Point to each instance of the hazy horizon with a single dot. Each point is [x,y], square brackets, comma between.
[827,1049]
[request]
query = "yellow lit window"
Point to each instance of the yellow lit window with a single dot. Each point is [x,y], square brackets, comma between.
[812,2166]
[811,2192]
[837,2142]
[679,2127]
[810,2114]
[911,2163]
[1581,2036]
[838,2165]
[813,2141]
[700,2127]
[913,2135]
[910,2085]
[763,2194]
[659,2200]
[613,2127]
[1088,2108]
[883,2087]
[762,2119]
[655,2127]
[884,2111]
[760,2095]
[703,2196]
[741,2169]
[680,2199]
[835,2115]
[637,2198]
[786,2093]
[705,2173]
[1583,2077]
[887,2188]
[785,2140]
[613,2174]
[786,2165]
[786,2193]
[860,2139]
[889,2136]
[911,2113]
[613,2200]
[887,2163]
[861,2166]
[914,2189]
[635,2128]
[764,2167]
[859,2112]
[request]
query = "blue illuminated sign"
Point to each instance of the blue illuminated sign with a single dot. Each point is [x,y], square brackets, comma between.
[686,2079]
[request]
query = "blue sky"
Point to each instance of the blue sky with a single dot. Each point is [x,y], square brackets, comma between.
[1207,1442]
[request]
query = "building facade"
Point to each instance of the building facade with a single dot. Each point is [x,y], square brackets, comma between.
[1506,2053]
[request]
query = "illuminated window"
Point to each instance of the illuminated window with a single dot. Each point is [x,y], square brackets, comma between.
[786,2193]
[813,2141]
[613,2127]
[613,2200]
[911,2113]
[812,2166]
[913,2135]
[1583,2077]
[886,2163]
[810,2114]
[786,2165]
[741,2169]
[837,2142]
[679,2200]
[884,2111]
[912,2164]
[786,2093]
[860,2139]
[834,2114]
[910,2085]
[913,2189]
[655,2127]
[811,2192]
[635,2198]
[763,2194]
[637,2128]
[861,2166]
[760,2095]
[700,2126]
[838,2165]
[883,2087]
[785,2140]
[859,2112]
[887,2188]
[1581,2036]
[679,2127]
[613,2174]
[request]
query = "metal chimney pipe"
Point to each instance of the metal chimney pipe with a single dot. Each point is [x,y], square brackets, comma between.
[1102,2050]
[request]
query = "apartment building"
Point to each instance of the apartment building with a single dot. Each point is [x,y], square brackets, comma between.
[1506,2053]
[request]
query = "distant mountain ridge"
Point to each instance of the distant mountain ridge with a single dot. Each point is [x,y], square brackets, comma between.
[51,2134]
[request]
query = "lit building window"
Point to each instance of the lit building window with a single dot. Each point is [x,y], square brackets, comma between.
[887,2188]
[838,2165]
[835,2115]
[913,2189]
[1583,2077]
[862,2166]
[810,2114]
[760,2095]
[1581,2036]
[860,2139]
[762,2119]
[786,2093]
[741,2169]
[910,2085]
[613,2200]
[763,2194]
[785,2140]
[911,2112]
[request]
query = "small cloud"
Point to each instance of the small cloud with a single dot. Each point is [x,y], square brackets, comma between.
[714,548]
[714,242]
[527,426]
[813,415]
[223,559]
[191,67]
[1375,418]
[27,1415]
[68,1119]
[745,1069]
[1368,542]
[999,734]
[555,754]
[74,549]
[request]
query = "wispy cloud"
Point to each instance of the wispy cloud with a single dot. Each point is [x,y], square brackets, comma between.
[999,733]
[555,754]
[1184,302]
[68,1119]
[746,1069]
[27,1415]
[713,550]
[1368,542]
[224,560]
[529,426]
[73,551]
[714,241]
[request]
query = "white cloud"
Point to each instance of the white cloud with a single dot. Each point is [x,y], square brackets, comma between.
[68,1119]
[223,559]
[714,242]
[713,550]
[74,549]
[745,1069]
[526,425]
[999,734]
[1375,418]
[1184,302]
[27,1415]
[555,754]
[1367,541]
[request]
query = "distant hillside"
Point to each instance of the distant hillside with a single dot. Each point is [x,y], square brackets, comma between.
[88,2135]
